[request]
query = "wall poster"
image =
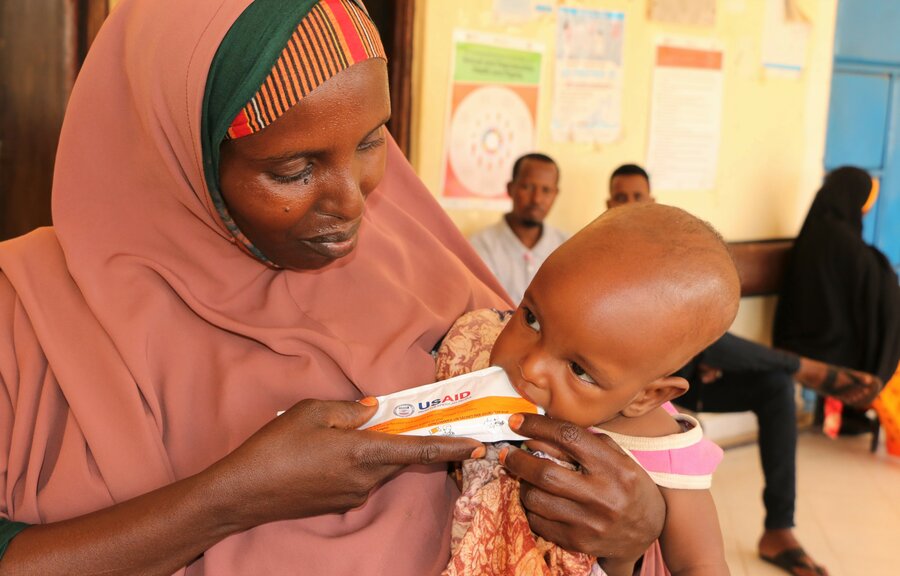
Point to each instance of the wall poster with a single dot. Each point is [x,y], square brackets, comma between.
[492,117]
[587,93]
[685,116]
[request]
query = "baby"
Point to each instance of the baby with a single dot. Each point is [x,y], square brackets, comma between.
[605,322]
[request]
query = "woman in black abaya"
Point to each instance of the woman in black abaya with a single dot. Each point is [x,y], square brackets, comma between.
[840,301]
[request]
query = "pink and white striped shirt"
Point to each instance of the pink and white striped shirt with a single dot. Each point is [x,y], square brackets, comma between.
[684,461]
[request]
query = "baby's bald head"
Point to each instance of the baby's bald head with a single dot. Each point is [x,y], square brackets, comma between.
[658,275]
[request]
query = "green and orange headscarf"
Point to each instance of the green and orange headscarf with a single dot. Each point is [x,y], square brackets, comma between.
[334,35]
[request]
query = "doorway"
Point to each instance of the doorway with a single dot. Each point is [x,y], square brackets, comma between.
[42,46]
[864,112]
[394,20]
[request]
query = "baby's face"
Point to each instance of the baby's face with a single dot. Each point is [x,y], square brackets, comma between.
[576,352]
[546,368]
[615,311]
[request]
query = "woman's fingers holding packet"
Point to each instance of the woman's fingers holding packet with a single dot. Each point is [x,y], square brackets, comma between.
[607,507]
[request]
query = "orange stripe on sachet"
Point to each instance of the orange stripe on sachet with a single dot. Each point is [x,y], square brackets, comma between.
[475,409]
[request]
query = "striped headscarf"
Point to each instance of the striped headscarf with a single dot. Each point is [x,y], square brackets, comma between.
[334,35]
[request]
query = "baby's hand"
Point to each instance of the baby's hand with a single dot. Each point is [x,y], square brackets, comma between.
[550,450]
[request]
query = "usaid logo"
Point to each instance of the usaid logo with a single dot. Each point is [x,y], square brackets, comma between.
[446,400]
[404,410]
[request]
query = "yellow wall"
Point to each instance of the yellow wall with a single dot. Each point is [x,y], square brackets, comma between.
[773,128]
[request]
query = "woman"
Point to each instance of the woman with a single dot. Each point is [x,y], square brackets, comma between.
[235,235]
[840,301]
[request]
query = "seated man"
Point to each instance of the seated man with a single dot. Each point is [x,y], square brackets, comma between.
[516,246]
[736,375]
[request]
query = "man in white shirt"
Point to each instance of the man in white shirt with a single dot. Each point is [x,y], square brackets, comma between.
[516,246]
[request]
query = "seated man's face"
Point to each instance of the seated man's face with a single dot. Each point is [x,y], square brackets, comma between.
[533,191]
[628,188]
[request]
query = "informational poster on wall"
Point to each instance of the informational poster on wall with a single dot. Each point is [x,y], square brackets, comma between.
[492,116]
[785,39]
[513,12]
[691,12]
[685,115]
[587,93]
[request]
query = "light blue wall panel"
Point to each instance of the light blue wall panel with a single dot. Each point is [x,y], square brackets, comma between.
[868,30]
[864,113]
[857,117]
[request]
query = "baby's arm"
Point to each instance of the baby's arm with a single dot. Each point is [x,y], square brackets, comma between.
[691,539]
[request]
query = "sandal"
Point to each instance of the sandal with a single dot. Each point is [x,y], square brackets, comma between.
[795,561]
[857,389]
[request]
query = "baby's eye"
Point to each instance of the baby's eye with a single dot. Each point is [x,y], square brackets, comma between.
[579,372]
[531,320]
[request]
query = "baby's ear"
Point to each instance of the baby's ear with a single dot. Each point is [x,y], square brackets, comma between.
[655,395]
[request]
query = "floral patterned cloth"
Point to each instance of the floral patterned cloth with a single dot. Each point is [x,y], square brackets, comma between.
[467,346]
[491,535]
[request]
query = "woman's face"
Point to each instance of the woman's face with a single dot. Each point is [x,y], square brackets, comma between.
[297,189]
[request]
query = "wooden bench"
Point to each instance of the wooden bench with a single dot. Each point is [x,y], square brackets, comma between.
[761,264]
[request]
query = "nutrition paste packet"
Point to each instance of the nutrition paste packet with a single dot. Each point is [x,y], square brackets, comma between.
[475,405]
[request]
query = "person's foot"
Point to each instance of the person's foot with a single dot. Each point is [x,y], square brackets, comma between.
[852,387]
[781,548]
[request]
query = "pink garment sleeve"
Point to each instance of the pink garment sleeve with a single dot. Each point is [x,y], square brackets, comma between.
[700,459]
[684,460]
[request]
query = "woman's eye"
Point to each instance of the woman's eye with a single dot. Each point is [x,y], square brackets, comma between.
[290,178]
[531,320]
[579,373]
[371,143]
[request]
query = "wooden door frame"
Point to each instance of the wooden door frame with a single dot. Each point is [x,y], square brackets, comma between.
[401,74]
[44,42]
[90,15]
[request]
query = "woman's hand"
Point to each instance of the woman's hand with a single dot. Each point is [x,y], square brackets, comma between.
[609,507]
[311,460]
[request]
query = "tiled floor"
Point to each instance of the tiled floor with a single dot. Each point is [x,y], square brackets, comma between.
[848,507]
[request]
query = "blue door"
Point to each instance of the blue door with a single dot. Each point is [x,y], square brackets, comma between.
[864,111]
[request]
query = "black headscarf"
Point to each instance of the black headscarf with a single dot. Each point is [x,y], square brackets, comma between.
[840,301]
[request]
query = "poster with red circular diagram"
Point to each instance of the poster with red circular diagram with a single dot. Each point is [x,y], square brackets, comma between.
[492,117]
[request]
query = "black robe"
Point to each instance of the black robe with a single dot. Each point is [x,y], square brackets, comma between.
[840,301]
